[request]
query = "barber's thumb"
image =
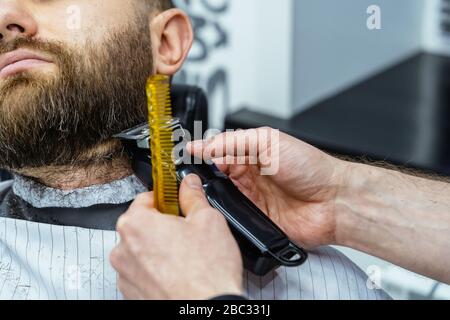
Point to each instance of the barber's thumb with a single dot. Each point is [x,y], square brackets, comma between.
[192,197]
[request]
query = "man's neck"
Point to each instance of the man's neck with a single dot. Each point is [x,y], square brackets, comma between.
[99,167]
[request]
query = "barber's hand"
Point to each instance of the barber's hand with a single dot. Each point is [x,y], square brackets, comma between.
[299,196]
[166,257]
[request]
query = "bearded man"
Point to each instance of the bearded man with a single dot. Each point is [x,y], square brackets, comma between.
[65,90]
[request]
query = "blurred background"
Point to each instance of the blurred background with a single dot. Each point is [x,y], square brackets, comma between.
[364,78]
[325,71]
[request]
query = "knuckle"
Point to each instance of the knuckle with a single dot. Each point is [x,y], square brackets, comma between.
[265,129]
[124,225]
[218,141]
[114,257]
[265,133]
[217,138]
[137,250]
[116,260]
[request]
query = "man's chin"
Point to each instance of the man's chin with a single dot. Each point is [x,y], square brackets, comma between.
[26,79]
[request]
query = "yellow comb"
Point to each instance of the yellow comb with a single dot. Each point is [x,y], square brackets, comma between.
[165,186]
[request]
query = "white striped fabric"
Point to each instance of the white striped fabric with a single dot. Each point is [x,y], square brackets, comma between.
[39,261]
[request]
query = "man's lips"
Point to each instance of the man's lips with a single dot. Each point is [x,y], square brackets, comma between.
[20,60]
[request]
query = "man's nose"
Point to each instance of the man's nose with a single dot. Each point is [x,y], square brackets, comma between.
[15,21]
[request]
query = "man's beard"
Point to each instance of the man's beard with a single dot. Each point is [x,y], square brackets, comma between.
[59,120]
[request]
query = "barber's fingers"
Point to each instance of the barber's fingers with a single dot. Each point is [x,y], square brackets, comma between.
[123,261]
[142,207]
[192,197]
[248,143]
[144,201]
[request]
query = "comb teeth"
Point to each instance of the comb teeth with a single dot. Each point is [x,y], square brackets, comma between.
[164,171]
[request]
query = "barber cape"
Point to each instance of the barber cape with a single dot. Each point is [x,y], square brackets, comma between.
[56,244]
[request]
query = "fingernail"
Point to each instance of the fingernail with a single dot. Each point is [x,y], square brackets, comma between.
[194,182]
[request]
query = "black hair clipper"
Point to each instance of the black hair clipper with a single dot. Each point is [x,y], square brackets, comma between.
[263,245]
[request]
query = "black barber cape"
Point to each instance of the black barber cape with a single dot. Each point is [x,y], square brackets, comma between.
[63,253]
[101,217]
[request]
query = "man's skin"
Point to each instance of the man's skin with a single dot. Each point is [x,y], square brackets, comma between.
[171,39]
[320,201]
[317,199]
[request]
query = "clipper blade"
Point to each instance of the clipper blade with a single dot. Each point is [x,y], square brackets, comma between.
[165,184]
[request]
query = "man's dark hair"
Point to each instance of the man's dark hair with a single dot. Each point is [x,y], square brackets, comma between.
[162,4]
[156,5]
[166,4]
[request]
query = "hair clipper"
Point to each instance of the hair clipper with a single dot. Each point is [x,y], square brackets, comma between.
[264,246]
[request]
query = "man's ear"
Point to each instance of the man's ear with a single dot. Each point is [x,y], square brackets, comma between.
[172,38]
